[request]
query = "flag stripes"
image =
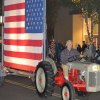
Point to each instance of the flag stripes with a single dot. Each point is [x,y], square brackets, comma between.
[24,36]
[15,18]
[14,30]
[14,6]
[23,49]
[9,2]
[14,13]
[20,66]
[23,61]
[23,42]
[23,55]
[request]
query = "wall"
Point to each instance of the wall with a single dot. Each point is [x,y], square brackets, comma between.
[63,28]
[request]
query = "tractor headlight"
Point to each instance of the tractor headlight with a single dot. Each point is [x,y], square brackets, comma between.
[96,68]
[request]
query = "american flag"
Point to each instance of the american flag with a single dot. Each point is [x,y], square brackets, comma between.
[24,22]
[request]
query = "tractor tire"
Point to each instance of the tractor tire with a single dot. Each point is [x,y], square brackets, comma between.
[68,91]
[1,80]
[44,79]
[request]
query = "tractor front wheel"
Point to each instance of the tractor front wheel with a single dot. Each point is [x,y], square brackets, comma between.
[68,91]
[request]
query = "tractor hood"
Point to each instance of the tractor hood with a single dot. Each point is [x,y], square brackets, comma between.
[82,65]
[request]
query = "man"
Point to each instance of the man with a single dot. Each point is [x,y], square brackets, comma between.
[97,55]
[91,51]
[84,46]
[66,54]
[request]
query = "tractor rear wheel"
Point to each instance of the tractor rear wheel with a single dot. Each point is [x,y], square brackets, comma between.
[44,79]
[68,91]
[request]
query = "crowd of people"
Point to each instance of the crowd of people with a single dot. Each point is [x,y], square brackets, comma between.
[87,50]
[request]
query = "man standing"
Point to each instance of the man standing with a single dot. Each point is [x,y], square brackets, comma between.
[84,46]
[66,54]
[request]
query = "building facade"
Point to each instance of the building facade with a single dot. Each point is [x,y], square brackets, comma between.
[72,26]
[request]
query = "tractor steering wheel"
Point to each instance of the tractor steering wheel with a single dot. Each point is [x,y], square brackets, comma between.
[73,58]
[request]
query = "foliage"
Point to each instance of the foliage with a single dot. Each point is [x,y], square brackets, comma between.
[88,9]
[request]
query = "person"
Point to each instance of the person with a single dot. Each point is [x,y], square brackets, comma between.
[59,47]
[91,51]
[97,55]
[98,49]
[79,48]
[84,46]
[65,55]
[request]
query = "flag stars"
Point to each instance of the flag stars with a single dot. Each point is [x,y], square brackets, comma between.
[28,15]
[37,23]
[37,4]
[33,5]
[39,27]
[34,16]
[35,27]
[38,18]
[40,14]
[42,9]
[35,9]
[33,23]
[32,19]
[40,4]
[26,19]
[37,14]
[38,9]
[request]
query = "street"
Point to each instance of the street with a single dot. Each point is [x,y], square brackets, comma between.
[21,88]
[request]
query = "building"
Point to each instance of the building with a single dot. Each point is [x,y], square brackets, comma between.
[72,26]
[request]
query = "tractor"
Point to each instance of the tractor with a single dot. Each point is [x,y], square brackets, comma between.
[83,76]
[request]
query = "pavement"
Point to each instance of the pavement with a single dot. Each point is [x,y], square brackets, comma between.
[21,88]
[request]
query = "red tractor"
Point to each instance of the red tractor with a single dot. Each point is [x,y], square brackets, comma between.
[83,77]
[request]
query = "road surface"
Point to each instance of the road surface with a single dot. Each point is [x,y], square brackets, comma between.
[21,88]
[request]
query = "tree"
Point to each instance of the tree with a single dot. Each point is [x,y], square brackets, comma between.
[88,9]
[51,11]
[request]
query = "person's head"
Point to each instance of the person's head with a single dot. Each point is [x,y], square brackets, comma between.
[69,44]
[83,42]
[99,47]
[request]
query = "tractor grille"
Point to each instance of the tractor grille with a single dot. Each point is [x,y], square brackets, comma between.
[92,79]
[98,79]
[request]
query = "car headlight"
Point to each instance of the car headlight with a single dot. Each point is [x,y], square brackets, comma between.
[96,68]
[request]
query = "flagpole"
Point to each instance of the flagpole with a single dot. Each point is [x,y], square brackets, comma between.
[2,31]
[45,32]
